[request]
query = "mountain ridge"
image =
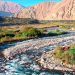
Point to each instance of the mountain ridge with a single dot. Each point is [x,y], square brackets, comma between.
[38,11]
[10,7]
[64,10]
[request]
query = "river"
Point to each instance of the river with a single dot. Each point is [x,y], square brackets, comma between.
[24,64]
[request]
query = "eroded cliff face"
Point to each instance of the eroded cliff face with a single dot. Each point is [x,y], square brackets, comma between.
[39,11]
[10,7]
[64,10]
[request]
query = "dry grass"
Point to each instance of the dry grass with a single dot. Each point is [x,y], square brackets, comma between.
[20,27]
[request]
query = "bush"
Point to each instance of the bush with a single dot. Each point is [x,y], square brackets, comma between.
[67,54]
[9,33]
[31,32]
[58,53]
[56,32]
[2,33]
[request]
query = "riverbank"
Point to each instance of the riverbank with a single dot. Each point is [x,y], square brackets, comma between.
[38,43]
[25,33]
[48,61]
[34,48]
[16,40]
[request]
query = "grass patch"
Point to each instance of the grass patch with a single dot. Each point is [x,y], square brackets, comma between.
[66,54]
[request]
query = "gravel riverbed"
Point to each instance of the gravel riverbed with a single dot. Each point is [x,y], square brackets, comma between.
[39,43]
[28,51]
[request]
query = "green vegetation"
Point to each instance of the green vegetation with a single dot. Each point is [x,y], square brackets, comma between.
[19,28]
[28,32]
[9,33]
[66,54]
[56,32]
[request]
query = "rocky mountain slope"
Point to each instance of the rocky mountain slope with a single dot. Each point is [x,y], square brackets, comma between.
[64,10]
[9,8]
[39,11]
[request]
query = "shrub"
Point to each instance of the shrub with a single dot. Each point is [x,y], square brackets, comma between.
[66,55]
[31,32]
[58,53]
[56,32]
[9,33]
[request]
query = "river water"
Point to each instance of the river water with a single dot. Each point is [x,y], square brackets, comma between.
[24,64]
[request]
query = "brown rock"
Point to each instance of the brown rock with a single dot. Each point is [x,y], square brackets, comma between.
[1,54]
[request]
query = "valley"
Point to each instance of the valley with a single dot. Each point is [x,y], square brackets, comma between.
[33,49]
[37,38]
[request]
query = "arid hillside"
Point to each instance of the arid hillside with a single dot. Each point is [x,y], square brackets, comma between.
[64,10]
[8,8]
[39,11]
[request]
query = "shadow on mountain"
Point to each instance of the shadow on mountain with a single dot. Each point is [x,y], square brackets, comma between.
[5,13]
[6,21]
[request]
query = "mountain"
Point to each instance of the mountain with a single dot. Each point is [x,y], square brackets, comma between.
[9,8]
[64,10]
[38,11]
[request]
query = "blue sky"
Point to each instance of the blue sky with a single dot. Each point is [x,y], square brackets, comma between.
[28,3]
